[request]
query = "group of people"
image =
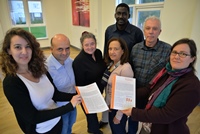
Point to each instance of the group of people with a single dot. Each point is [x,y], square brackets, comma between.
[42,91]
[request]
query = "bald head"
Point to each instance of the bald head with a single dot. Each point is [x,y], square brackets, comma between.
[60,47]
[59,37]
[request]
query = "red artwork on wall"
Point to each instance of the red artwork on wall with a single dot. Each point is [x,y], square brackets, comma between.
[80,13]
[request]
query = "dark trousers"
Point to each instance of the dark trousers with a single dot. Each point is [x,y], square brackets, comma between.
[117,128]
[92,122]
[132,126]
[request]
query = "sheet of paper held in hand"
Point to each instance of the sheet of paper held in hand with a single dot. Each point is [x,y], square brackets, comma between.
[123,93]
[92,100]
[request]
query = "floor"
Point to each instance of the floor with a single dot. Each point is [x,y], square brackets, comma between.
[8,123]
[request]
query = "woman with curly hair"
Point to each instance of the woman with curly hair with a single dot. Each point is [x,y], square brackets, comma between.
[29,87]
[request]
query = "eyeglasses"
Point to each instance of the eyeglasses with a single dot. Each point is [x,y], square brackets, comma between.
[181,54]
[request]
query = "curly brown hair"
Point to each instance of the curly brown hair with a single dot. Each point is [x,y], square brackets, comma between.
[8,64]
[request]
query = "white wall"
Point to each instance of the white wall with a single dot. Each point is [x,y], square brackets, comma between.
[195,34]
[4,16]
[58,19]
[1,33]
[108,18]
[75,32]
[180,18]
[177,19]
[55,19]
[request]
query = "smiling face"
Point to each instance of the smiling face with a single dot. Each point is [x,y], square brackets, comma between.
[178,62]
[60,47]
[20,50]
[89,45]
[122,15]
[115,51]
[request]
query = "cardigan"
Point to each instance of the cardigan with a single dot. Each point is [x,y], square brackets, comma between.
[172,118]
[27,115]
[122,70]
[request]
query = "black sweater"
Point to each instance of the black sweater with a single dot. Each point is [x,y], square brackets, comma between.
[87,70]
[27,115]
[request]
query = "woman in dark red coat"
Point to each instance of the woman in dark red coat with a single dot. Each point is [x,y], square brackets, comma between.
[172,94]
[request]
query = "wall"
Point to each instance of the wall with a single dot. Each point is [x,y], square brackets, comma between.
[1,33]
[195,34]
[180,18]
[95,20]
[177,19]
[4,16]
[108,18]
[56,18]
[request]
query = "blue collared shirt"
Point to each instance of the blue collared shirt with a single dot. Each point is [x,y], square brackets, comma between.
[63,75]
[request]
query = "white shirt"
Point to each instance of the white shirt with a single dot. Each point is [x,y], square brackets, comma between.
[41,95]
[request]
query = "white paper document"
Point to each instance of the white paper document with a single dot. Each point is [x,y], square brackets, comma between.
[123,93]
[92,100]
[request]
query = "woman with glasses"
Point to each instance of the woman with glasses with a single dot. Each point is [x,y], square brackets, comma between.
[173,93]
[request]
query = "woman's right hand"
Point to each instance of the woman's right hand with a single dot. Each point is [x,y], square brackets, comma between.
[76,100]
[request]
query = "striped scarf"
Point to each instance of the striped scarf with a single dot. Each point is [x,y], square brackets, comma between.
[160,96]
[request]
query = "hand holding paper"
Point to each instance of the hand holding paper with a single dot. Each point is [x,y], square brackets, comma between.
[123,93]
[127,112]
[76,100]
[92,100]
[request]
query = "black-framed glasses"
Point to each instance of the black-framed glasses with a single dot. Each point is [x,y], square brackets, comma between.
[181,54]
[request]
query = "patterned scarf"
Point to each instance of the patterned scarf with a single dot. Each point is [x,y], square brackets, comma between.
[159,97]
[107,73]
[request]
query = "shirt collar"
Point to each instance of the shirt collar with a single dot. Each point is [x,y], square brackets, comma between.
[56,62]
[127,29]
[150,48]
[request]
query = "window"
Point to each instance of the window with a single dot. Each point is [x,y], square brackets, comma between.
[28,15]
[141,9]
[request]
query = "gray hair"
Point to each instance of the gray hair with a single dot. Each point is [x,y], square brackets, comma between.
[152,18]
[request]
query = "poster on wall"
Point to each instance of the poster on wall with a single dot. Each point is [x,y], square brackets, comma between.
[81,12]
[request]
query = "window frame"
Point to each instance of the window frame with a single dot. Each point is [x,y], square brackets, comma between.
[28,26]
[142,7]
